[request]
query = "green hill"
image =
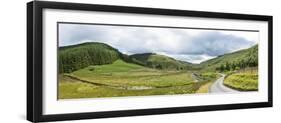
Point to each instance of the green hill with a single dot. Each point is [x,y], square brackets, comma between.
[157,61]
[75,57]
[236,60]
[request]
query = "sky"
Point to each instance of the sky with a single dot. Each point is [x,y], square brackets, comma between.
[191,45]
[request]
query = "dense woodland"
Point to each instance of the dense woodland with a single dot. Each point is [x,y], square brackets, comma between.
[72,58]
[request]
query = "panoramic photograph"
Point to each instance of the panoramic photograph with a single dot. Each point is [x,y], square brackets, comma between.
[102,61]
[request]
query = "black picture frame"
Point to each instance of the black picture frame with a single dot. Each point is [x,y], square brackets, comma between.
[35,69]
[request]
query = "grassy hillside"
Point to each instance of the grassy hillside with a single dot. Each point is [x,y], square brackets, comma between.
[157,61]
[79,56]
[75,57]
[233,61]
[244,80]
[125,74]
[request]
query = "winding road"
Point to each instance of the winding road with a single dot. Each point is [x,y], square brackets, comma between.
[218,86]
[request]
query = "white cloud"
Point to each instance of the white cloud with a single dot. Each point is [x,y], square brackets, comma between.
[250,36]
[192,45]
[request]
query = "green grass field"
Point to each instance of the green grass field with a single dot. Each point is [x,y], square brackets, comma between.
[244,80]
[125,79]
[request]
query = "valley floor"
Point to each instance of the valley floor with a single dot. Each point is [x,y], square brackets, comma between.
[125,79]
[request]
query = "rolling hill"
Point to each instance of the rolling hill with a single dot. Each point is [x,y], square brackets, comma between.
[157,61]
[75,57]
[236,60]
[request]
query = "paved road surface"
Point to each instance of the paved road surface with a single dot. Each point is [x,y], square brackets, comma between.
[218,87]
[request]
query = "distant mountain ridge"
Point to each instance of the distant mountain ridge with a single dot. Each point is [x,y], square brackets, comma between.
[158,61]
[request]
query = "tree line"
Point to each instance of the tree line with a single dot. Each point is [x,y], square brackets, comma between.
[250,60]
[74,58]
